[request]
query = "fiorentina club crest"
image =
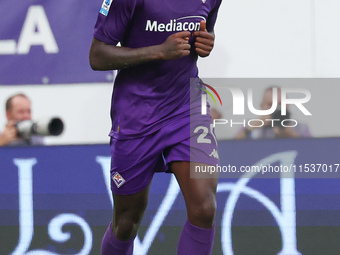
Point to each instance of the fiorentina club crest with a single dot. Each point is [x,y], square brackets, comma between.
[118,179]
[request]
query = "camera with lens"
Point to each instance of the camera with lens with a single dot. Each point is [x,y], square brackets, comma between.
[44,127]
[277,114]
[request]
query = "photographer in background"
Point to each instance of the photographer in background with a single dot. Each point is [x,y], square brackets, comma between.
[18,108]
[267,131]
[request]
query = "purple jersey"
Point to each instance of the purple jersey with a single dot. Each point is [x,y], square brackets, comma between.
[146,96]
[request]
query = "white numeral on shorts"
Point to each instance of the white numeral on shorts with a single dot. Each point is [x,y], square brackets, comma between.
[201,138]
[212,132]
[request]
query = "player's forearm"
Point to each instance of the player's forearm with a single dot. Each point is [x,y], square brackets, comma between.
[108,57]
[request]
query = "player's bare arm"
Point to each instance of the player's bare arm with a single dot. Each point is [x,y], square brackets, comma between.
[204,40]
[109,57]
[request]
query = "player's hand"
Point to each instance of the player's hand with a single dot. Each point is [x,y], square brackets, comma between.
[9,134]
[176,46]
[204,40]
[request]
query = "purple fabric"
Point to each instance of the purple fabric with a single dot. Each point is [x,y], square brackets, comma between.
[146,96]
[112,246]
[136,160]
[195,240]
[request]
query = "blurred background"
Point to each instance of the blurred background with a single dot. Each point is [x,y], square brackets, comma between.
[48,190]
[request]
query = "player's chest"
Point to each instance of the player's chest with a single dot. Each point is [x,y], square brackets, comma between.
[179,7]
[173,15]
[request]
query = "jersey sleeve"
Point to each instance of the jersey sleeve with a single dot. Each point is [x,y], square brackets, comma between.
[113,20]
[213,16]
